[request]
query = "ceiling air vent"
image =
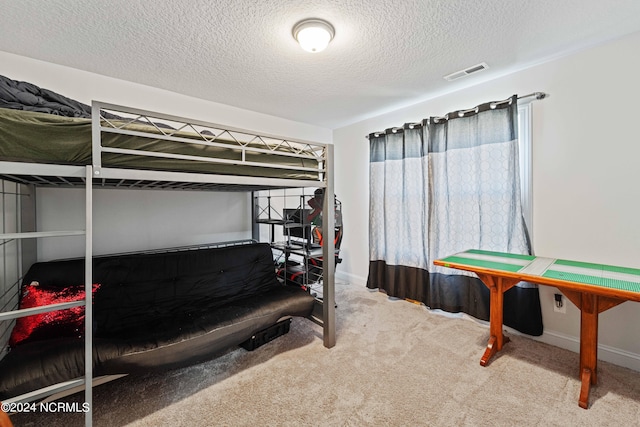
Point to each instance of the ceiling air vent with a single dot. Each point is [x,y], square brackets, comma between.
[466,72]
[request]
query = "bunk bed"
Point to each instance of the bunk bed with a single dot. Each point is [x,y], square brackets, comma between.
[128,148]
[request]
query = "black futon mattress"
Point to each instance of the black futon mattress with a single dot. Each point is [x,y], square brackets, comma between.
[157,311]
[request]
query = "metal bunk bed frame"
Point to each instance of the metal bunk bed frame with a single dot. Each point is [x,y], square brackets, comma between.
[36,174]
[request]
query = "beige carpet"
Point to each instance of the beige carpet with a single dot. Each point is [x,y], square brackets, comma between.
[395,364]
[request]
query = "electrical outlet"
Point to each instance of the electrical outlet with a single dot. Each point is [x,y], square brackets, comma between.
[559,304]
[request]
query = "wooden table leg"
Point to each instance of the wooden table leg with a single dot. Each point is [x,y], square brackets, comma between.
[585,378]
[497,286]
[492,348]
[588,346]
[590,306]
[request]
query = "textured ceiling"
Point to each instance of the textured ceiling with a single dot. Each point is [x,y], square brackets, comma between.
[385,54]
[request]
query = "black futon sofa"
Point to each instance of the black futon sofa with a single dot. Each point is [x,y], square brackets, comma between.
[156,311]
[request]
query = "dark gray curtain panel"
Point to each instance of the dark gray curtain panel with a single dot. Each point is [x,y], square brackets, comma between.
[444,186]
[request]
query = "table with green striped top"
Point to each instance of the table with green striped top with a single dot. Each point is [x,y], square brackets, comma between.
[593,288]
[532,267]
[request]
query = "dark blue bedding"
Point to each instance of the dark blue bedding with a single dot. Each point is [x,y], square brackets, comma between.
[19,95]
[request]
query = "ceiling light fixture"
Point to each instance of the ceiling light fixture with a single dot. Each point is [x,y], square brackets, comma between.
[313,35]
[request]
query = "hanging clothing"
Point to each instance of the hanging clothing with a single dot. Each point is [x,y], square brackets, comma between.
[441,187]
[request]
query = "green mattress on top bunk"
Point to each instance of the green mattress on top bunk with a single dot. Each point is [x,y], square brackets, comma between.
[34,137]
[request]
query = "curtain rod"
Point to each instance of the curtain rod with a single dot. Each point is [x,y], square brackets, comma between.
[535,95]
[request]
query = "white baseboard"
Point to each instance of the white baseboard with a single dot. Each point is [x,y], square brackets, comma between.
[351,278]
[608,354]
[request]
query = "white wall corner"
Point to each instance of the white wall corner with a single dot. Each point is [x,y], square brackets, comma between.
[351,278]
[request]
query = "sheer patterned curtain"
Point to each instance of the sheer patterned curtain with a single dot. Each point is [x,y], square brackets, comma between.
[444,186]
